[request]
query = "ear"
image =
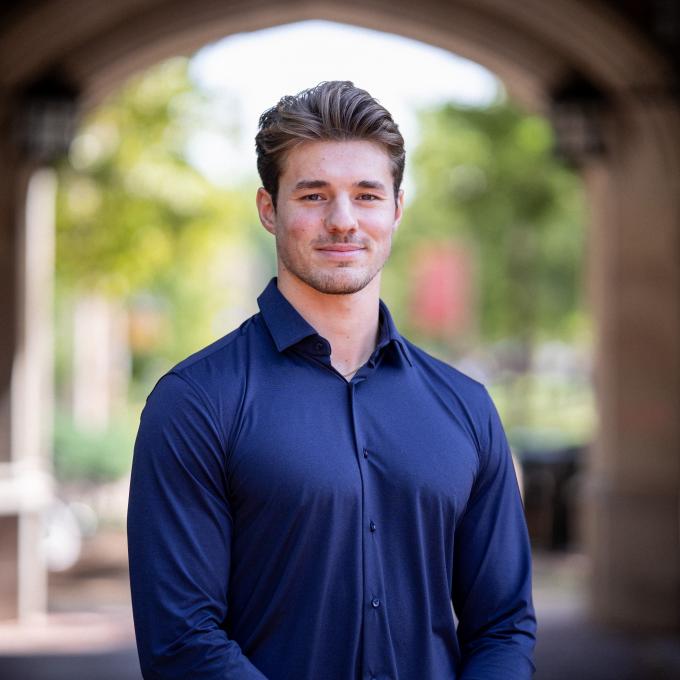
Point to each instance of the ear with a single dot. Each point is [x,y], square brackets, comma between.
[399,210]
[266,210]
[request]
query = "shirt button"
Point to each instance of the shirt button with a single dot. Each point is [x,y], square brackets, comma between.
[365,453]
[319,347]
[375,602]
[372,526]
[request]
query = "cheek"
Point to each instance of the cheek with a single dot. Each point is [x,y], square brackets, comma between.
[294,235]
[381,228]
[293,224]
[298,232]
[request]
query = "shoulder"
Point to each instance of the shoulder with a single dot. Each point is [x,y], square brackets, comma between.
[469,395]
[213,379]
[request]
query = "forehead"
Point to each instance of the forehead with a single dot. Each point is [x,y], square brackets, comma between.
[352,160]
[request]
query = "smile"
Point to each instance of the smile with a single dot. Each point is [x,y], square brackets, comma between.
[341,251]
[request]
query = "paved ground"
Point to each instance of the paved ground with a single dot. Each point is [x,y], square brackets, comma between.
[567,650]
[76,644]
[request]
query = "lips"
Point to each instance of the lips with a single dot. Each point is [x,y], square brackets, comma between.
[341,248]
[341,252]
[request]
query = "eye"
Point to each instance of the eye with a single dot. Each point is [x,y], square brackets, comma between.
[312,197]
[368,197]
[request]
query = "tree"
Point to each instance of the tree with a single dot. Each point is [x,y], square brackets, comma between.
[135,220]
[488,177]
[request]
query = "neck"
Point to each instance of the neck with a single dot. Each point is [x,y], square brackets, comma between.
[348,322]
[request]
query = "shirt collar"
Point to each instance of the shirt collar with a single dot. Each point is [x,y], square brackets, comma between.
[287,327]
[389,333]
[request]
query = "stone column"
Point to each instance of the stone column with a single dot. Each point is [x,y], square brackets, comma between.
[26,274]
[32,389]
[633,493]
[37,124]
[26,384]
[9,519]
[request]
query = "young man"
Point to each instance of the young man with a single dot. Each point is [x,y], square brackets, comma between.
[313,496]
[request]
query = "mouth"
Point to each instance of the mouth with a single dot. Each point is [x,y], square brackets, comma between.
[340,251]
[341,248]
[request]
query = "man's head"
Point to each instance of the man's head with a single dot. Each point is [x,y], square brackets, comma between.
[331,111]
[331,161]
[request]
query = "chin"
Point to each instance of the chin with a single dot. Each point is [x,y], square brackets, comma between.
[338,282]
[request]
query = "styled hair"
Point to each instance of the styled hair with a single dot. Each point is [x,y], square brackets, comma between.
[333,110]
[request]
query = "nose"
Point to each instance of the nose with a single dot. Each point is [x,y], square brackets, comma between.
[340,215]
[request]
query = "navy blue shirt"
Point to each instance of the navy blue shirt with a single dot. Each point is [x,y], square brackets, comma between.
[284,523]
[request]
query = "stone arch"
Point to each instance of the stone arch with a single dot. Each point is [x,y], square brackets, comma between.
[529,45]
[540,50]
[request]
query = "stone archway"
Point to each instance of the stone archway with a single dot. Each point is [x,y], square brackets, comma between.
[540,50]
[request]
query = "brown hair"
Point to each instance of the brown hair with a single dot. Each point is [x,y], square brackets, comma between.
[334,110]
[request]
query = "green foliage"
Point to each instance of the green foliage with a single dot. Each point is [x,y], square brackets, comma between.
[488,178]
[136,220]
[127,193]
[82,455]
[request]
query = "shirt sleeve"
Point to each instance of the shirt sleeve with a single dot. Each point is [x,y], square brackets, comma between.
[492,569]
[179,534]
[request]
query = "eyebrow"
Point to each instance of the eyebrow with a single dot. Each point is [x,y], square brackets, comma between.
[310,184]
[320,184]
[371,184]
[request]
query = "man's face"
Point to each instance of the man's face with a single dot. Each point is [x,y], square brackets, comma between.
[335,214]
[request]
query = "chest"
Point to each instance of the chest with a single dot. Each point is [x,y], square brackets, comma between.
[326,444]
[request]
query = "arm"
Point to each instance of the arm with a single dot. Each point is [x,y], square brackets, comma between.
[492,569]
[179,536]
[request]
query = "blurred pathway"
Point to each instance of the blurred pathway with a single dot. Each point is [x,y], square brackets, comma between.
[570,647]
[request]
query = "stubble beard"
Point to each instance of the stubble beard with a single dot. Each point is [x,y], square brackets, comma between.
[335,280]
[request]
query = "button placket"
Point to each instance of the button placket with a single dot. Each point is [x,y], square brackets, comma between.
[374,628]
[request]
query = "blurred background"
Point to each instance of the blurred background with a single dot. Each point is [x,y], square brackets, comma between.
[539,253]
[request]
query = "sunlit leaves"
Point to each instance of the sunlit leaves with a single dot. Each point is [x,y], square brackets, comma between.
[487,177]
